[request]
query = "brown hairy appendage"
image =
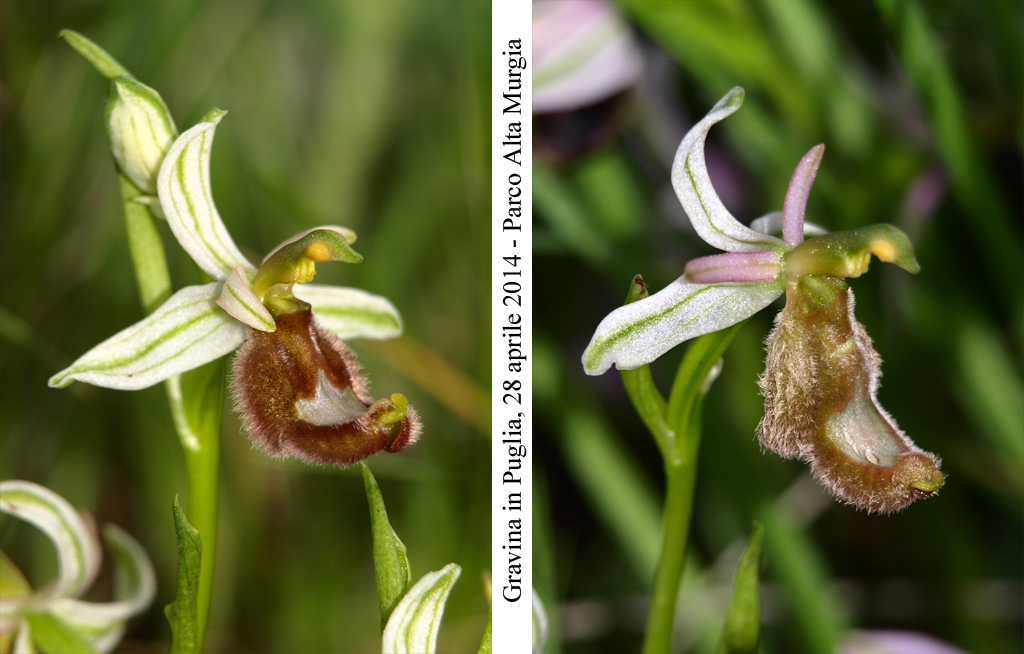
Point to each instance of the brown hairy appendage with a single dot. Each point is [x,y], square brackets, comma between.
[300,393]
[820,388]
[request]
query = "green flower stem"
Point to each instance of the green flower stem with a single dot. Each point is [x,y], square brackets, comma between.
[683,422]
[195,398]
[203,483]
[146,248]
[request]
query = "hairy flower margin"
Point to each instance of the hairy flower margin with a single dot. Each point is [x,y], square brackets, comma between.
[297,386]
[53,618]
[822,373]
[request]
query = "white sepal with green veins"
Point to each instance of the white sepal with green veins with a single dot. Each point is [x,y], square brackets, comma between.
[139,129]
[186,331]
[415,621]
[53,615]
[183,187]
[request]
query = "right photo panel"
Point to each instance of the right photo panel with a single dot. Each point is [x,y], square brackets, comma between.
[719,463]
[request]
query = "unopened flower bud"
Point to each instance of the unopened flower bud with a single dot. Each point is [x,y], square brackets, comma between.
[140,130]
[820,387]
[300,393]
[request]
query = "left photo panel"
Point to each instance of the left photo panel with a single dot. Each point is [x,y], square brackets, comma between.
[202,447]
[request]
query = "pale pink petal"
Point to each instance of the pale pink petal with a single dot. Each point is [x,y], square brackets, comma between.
[737,267]
[795,205]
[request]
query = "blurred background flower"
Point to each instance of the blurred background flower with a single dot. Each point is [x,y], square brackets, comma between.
[371,115]
[920,107]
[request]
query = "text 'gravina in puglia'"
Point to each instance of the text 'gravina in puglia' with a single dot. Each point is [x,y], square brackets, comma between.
[512,439]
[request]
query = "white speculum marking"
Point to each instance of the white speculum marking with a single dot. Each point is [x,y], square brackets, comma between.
[329,406]
[864,434]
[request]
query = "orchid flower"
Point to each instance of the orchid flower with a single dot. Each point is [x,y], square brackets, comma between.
[297,386]
[822,374]
[52,618]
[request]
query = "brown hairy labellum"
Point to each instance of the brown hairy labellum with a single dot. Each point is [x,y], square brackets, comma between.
[300,393]
[820,386]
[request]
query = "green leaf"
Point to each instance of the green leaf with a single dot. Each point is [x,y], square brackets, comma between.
[640,387]
[53,635]
[690,385]
[413,626]
[742,630]
[390,561]
[485,644]
[95,55]
[182,613]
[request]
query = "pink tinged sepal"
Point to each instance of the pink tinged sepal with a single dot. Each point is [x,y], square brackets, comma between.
[300,393]
[734,267]
[795,205]
[183,186]
[820,387]
[692,184]
[237,298]
[186,331]
[638,333]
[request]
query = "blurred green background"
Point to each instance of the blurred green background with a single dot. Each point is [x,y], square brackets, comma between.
[368,115]
[920,106]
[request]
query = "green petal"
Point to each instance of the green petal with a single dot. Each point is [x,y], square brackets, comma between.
[692,184]
[78,554]
[351,313]
[242,304]
[185,332]
[640,332]
[413,626]
[183,186]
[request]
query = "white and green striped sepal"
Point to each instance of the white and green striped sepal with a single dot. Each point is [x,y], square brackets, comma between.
[183,186]
[140,130]
[186,331]
[351,313]
[78,555]
[416,619]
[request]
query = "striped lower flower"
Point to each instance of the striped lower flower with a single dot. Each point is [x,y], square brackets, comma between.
[822,373]
[53,617]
